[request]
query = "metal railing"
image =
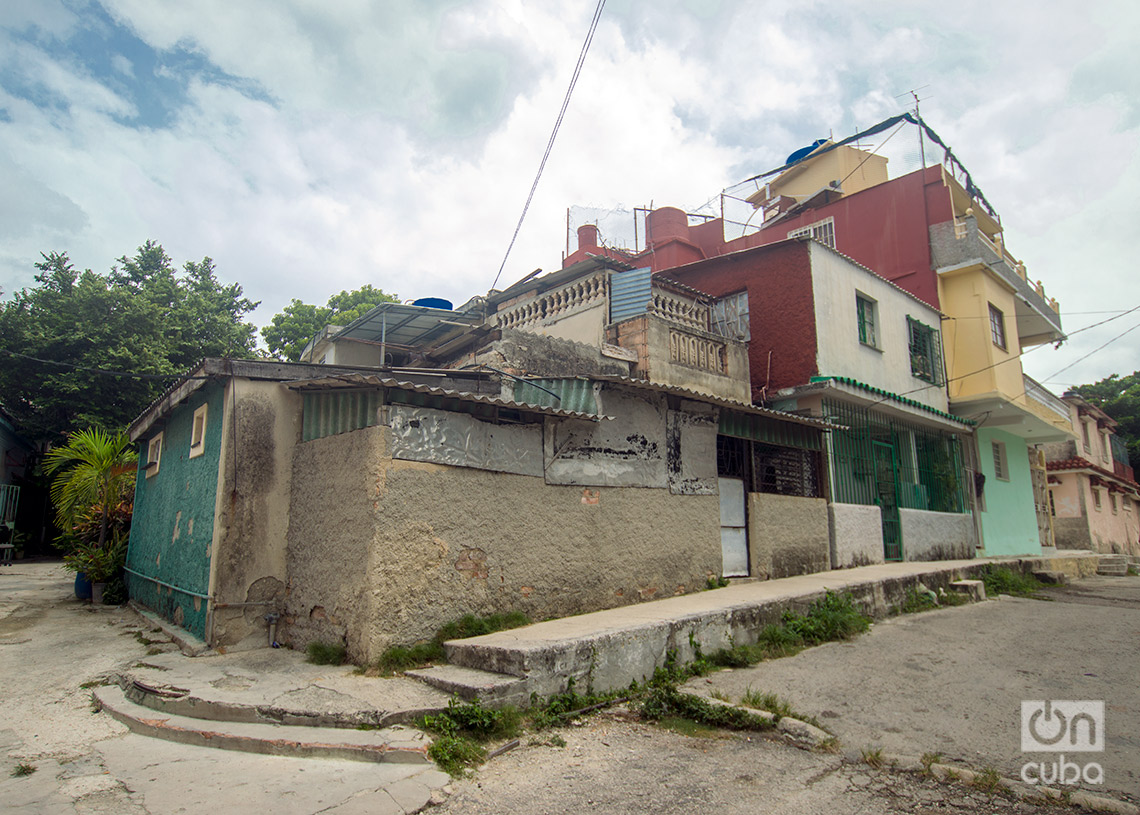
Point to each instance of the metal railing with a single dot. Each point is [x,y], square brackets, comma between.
[1042,395]
[9,502]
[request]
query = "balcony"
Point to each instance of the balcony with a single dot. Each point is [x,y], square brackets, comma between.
[1039,394]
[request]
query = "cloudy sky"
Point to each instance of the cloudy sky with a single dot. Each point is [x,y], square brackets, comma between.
[310,146]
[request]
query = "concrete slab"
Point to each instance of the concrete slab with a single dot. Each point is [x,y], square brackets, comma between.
[397,744]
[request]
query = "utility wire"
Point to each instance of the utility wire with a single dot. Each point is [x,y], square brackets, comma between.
[98,371]
[554,133]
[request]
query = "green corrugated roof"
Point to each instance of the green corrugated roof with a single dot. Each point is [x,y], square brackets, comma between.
[855,383]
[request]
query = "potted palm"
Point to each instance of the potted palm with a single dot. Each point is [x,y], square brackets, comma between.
[92,489]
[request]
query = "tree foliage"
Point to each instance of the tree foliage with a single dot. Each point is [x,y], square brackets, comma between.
[144,316]
[290,330]
[93,475]
[1119,397]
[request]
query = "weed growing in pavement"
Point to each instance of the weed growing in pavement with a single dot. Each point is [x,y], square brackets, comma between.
[96,683]
[556,710]
[462,728]
[326,653]
[766,701]
[23,770]
[403,658]
[873,757]
[953,598]
[716,583]
[929,760]
[987,781]
[1003,580]
[829,745]
[664,701]
[719,695]
[553,740]
[915,601]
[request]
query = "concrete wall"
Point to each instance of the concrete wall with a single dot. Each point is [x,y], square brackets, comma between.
[523,352]
[787,535]
[173,530]
[383,552]
[856,535]
[937,535]
[733,383]
[836,280]
[1009,523]
[253,510]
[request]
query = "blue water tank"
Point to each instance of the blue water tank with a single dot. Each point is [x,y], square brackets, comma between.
[433,302]
[805,151]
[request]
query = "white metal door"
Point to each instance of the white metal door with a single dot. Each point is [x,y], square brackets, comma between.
[733,528]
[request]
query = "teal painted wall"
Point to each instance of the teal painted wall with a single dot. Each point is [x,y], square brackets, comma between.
[1009,524]
[173,524]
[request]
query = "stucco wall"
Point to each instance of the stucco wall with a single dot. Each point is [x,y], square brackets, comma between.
[840,353]
[734,383]
[173,529]
[253,512]
[856,535]
[389,551]
[937,535]
[787,535]
[1009,523]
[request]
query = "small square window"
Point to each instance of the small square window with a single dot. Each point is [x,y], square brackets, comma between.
[198,433]
[1001,465]
[153,455]
[865,309]
[997,326]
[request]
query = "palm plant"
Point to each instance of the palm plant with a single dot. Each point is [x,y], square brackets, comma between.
[94,473]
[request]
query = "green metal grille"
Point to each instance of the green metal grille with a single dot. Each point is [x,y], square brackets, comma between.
[925,352]
[929,463]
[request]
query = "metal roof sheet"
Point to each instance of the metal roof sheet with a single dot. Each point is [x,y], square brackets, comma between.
[406,325]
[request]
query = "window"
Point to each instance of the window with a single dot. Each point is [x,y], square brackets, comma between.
[729,317]
[1001,466]
[997,326]
[925,352]
[198,433]
[153,455]
[1104,446]
[1096,499]
[822,231]
[865,309]
[1112,502]
[1052,505]
[1085,432]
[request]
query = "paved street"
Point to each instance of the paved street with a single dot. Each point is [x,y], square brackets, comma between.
[947,681]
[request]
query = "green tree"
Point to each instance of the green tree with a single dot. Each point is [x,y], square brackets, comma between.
[92,476]
[143,317]
[1119,397]
[291,329]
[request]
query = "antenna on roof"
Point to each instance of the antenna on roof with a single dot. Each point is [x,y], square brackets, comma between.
[913,93]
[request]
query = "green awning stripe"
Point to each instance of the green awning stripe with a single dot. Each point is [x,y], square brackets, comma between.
[855,383]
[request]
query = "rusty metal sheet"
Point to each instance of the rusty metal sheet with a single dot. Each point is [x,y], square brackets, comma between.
[461,440]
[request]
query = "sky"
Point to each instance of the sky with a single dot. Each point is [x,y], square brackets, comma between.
[311,147]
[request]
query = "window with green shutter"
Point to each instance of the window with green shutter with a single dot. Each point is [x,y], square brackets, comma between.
[865,309]
[925,352]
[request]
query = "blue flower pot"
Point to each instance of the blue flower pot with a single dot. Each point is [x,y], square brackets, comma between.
[82,586]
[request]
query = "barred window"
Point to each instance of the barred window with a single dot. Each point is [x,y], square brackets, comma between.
[997,326]
[865,310]
[770,468]
[925,352]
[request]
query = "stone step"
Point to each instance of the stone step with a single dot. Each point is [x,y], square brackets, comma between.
[1051,577]
[493,689]
[1112,570]
[392,744]
[975,588]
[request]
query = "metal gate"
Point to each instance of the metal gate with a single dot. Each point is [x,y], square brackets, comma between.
[733,528]
[887,488]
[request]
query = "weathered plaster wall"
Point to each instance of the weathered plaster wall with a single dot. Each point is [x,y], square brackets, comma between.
[856,535]
[524,352]
[253,509]
[733,383]
[787,535]
[836,280]
[391,550]
[173,529]
[937,535]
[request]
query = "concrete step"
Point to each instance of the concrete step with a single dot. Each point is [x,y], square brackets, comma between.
[1113,565]
[493,689]
[393,744]
[172,700]
[1051,577]
[975,588]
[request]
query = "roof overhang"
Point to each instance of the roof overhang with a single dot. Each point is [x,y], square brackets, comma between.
[996,412]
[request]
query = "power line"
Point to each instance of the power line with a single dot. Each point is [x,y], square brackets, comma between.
[553,133]
[98,371]
[1090,353]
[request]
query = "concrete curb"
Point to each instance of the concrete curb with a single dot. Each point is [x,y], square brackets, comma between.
[190,645]
[1021,790]
[800,733]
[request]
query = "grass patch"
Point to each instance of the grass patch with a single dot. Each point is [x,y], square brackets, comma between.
[830,745]
[23,770]
[96,683]
[462,729]
[929,760]
[554,740]
[916,600]
[402,658]
[688,727]
[1003,580]
[954,598]
[831,617]
[664,701]
[326,653]
[766,701]
[987,781]
[873,757]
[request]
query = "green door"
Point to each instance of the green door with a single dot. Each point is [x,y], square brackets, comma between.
[887,491]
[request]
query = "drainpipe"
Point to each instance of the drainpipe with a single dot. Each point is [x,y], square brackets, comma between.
[271,618]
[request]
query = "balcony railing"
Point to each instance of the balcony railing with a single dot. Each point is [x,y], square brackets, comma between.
[561,301]
[1016,266]
[676,309]
[1042,395]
